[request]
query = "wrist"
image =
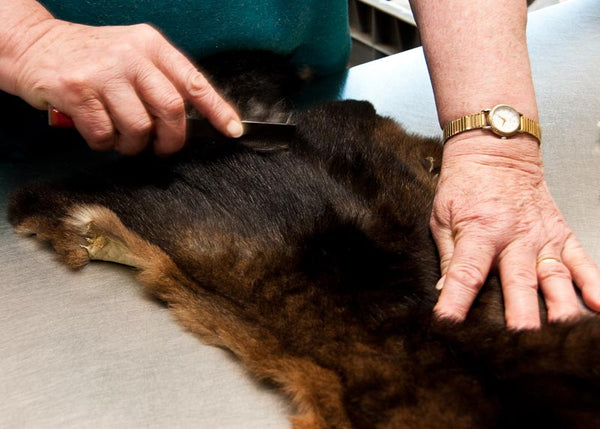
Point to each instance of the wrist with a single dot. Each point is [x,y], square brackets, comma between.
[24,25]
[521,150]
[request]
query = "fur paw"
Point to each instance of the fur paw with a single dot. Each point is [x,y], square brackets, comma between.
[78,232]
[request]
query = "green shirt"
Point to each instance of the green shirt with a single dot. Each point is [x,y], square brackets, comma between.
[314,33]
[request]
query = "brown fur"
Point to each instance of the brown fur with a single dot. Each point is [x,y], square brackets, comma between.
[316,267]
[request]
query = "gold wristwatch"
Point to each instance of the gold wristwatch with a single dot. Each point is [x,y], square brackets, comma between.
[502,120]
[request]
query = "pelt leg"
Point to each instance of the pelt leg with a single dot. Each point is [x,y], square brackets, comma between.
[105,248]
[91,232]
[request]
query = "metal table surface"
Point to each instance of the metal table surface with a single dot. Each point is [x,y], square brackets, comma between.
[88,349]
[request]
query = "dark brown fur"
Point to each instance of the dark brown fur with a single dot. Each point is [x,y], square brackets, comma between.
[315,266]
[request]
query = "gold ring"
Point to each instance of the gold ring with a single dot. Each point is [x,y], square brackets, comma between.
[546,260]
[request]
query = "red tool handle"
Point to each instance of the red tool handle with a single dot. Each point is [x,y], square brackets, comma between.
[58,119]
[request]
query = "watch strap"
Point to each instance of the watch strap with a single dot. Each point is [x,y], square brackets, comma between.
[530,126]
[466,123]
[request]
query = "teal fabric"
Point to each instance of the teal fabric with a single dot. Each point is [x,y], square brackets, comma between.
[314,32]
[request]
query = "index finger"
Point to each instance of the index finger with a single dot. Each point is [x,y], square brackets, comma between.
[194,87]
[466,274]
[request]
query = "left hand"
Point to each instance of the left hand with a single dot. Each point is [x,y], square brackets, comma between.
[493,209]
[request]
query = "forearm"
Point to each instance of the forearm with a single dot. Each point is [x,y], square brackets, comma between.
[477,55]
[22,24]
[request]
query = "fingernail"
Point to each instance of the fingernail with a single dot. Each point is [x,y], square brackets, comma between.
[440,284]
[235,128]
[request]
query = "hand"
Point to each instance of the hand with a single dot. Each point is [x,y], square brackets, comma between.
[494,210]
[122,86]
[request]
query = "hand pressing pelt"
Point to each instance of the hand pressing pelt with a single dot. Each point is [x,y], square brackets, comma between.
[493,209]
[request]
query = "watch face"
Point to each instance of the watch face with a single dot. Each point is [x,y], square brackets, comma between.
[504,120]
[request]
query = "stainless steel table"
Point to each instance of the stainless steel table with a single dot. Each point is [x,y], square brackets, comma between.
[88,349]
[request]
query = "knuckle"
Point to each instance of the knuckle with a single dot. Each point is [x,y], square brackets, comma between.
[75,78]
[546,271]
[206,100]
[139,128]
[97,128]
[100,138]
[146,37]
[521,279]
[199,86]
[90,105]
[146,31]
[469,276]
[76,86]
[172,106]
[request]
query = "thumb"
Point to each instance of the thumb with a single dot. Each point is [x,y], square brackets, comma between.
[445,245]
[196,89]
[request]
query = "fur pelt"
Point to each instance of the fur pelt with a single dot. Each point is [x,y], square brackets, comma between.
[312,261]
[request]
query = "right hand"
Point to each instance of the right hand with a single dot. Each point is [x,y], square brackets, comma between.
[122,86]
